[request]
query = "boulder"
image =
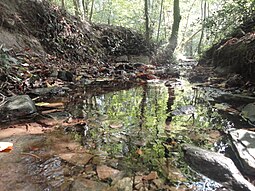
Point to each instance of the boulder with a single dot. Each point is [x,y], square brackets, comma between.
[244,143]
[17,107]
[248,112]
[217,167]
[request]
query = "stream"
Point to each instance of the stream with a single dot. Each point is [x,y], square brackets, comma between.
[131,138]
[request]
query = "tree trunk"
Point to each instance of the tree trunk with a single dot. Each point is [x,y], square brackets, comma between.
[160,16]
[172,42]
[85,7]
[109,9]
[146,14]
[76,8]
[91,10]
[175,28]
[203,16]
[63,4]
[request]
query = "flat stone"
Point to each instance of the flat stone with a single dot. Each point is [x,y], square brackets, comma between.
[244,143]
[105,172]
[17,107]
[79,159]
[88,185]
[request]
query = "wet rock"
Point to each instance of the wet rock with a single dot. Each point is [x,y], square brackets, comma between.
[17,107]
[49,90]
[217,167]
[198,78]
[105,172]
[248,112]
[79,159]
[88,185]
[244,143]
[235,98]
[125,184]
[65,76]
[52,169]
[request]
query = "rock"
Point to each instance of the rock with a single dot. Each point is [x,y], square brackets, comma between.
[79,159]
[244,143]
[235,98]
[140,58]
[65,76]
[88,185]
[217,167]
[168,72]
[123,58]
[105,172]
[17,107]
[235,81]
[248,112]
[49,90]
[224,70]
[152,176]
[125,184]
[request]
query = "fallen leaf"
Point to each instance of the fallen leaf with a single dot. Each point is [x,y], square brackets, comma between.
[116,125]
[139,152]
[6,146]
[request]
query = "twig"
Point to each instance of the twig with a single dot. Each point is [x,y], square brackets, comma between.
[33,155]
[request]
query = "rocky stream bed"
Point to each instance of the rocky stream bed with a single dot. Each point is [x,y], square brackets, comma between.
[147,136]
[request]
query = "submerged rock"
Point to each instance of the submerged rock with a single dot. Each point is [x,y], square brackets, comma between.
[17,107]
[217,167]
[244,143]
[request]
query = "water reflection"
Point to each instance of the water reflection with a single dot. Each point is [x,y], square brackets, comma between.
[141,129]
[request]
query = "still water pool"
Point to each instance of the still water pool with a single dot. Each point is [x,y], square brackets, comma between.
[140,130]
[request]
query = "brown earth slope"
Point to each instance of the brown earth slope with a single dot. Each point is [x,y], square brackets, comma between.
[235,54]
[38,39]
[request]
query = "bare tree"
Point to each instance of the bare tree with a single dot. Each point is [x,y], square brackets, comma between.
[91,10]
[172,42]
[63,4]
[76,8]
[160,18]
[203,16]
[146,15]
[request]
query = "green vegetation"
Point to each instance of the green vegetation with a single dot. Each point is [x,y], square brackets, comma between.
[202,24]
